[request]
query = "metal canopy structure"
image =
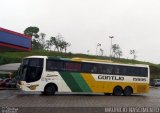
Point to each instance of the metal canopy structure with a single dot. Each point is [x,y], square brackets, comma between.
[9,68]
[13,41]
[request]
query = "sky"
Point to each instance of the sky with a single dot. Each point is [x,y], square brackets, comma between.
[135,24]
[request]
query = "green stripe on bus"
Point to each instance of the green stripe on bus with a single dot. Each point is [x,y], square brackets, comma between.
[54,57]
[70,81]
[58,58]
[81,82]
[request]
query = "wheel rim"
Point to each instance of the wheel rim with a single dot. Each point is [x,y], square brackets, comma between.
[127,91]
[49,90]
[117,91]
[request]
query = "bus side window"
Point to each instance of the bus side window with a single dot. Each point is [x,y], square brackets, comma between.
[100,68]
[123,70]
[144,72]
[87,67]
[104,69]
[110,69]
[137,71]
[54,65]
[72,66]
[49,65]
[60,65]
[94,69]
[130,71]
[117,70]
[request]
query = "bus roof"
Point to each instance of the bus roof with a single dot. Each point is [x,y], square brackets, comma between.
[106,62]
[88,60]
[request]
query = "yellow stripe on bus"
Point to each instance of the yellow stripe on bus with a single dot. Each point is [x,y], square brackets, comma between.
[107,87]
[94,85]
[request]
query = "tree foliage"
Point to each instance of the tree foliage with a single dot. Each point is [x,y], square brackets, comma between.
[116,51]
[32,31]
[133,52]
[101,51]
[40,43]
[59,44]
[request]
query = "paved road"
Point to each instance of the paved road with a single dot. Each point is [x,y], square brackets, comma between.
[64,101]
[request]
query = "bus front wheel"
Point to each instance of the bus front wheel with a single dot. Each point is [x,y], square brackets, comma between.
[50,89]
[117,91]
[127,91]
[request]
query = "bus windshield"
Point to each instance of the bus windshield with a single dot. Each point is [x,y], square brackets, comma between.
[31,69]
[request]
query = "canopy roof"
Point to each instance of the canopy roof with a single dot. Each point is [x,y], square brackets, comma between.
[9,68]
[13,41]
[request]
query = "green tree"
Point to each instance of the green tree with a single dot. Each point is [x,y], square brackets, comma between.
[59,44]
[41,41]
[64,45]
[48,45]
[133,52]
[117,52]
[36,45]
[38,40]
[55,42]
[32,31]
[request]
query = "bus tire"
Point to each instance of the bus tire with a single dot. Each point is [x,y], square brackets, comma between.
[49,89]
[128,91]
[117,91]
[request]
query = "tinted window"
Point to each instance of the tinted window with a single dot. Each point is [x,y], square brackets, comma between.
[54,65]
[87,67]
[33,70]
[137,71]
[117,70]
[72,66]
[35,62]
[144,72]
[109,69]
[103,68]
[95,68]
[25,61]
[123,70]
[130,71]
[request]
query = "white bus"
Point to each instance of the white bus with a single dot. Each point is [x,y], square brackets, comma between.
[51,74]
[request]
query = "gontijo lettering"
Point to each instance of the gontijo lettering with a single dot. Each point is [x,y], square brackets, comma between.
[110,77]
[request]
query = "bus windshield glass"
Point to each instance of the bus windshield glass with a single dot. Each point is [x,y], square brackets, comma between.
[31,69]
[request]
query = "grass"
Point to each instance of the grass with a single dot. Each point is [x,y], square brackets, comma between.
[16,57]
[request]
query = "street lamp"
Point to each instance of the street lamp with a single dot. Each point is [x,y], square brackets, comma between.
[111,46]
[97,47]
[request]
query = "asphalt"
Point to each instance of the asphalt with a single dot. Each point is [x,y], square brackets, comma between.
[74,102]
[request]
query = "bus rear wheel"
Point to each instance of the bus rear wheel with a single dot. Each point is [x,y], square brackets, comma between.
[117,91]
[127,91]
[50,89]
